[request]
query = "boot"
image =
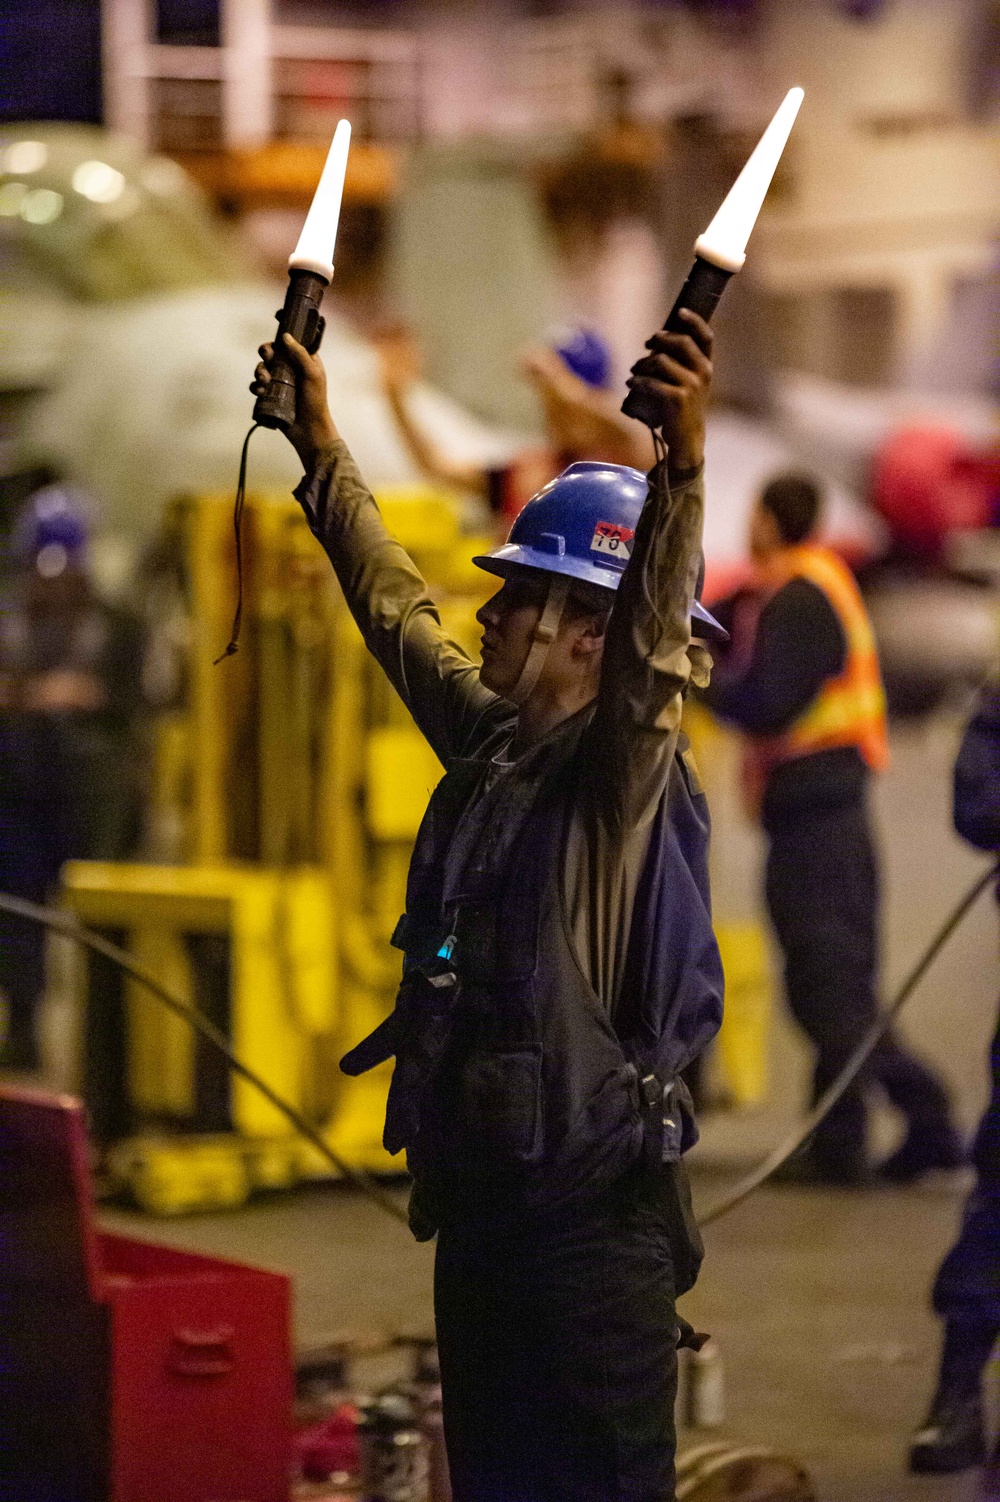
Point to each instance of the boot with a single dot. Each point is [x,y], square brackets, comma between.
[952,1438]
[840,1164]
[931,1140]
[919,1154]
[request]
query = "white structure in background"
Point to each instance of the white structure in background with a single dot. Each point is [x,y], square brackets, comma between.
[896,190]
[265,80]
[619,291]
[895,199]
[247,88]
[496,74]
[891,201]
[173,392]
[741,455]
[129,328]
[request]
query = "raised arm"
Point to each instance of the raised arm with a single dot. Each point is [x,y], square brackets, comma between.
[648,655]
[385,591]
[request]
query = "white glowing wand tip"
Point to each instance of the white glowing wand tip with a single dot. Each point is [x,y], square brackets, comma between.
[725,241]
[314,251]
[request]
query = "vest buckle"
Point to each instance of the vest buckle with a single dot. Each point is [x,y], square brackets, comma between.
[652,1091]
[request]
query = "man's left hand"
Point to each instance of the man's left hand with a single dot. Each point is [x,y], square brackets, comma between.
[677,374]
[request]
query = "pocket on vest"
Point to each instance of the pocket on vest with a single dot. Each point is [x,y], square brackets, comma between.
[502,1100]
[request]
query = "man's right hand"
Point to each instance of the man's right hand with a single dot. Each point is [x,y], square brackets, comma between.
[313,429]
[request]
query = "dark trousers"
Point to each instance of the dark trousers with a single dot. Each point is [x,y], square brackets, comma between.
[22,971]
[823,898]
[557,1342]
[65,790]
[33,844]
[967,1287]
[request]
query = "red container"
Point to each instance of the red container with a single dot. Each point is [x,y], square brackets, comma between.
[128,1372]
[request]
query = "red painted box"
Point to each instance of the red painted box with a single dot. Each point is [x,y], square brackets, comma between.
[128,1372]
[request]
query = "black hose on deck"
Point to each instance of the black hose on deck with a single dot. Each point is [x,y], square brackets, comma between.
[800,1133]
[63,923]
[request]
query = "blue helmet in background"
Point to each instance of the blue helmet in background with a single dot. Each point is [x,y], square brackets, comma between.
[582,526]
[54,519]
[585,353]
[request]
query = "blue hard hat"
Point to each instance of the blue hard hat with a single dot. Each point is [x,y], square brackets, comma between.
[586,354]
[582,524]
[55,515]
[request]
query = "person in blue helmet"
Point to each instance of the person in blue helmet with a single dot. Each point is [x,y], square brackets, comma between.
[570,371]
[69,688]
[560,968]
[584,352]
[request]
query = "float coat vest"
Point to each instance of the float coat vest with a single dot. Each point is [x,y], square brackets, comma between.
[512,1081]
[849,709]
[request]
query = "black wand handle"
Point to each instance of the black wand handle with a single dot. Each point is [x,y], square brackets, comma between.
[701,292]
[300,317]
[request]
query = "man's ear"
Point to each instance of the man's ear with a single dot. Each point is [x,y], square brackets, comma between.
[588,635]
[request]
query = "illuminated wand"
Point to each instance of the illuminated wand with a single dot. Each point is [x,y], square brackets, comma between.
[310,272]
[721,250]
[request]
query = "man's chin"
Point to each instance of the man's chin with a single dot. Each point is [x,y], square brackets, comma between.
[495,681]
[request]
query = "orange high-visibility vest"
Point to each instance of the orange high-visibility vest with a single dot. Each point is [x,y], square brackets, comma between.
[848,710]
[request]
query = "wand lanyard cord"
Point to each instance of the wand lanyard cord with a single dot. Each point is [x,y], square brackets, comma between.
[62,923]
[241,495]
[799,1134]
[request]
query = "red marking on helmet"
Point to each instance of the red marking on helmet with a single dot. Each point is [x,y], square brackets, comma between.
[609,537]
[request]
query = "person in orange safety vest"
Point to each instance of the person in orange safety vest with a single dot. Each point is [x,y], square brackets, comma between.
[800,678]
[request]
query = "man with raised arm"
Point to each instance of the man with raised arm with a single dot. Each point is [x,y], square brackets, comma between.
[560,966]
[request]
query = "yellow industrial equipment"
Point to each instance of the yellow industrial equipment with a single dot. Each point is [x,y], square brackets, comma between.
[275,993]
[738,1074]
[287,785]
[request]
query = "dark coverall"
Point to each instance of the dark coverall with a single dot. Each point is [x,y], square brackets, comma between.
[967,1288]
[569,886]
[822,884]
[66,776]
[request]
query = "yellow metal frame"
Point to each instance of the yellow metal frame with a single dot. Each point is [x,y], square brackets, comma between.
[284,979]
[298,756]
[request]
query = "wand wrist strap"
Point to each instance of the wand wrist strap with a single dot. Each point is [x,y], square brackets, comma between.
[241,489]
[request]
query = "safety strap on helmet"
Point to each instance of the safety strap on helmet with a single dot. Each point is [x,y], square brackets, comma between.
[545,631]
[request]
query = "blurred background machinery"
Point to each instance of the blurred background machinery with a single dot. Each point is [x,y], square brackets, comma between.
[287,786]
[150,187]
[143,250]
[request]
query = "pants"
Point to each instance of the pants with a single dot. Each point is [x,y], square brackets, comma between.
[558,1352]
[967,1287]
[823,898]
[33,845]
[22,973]
[64,791]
